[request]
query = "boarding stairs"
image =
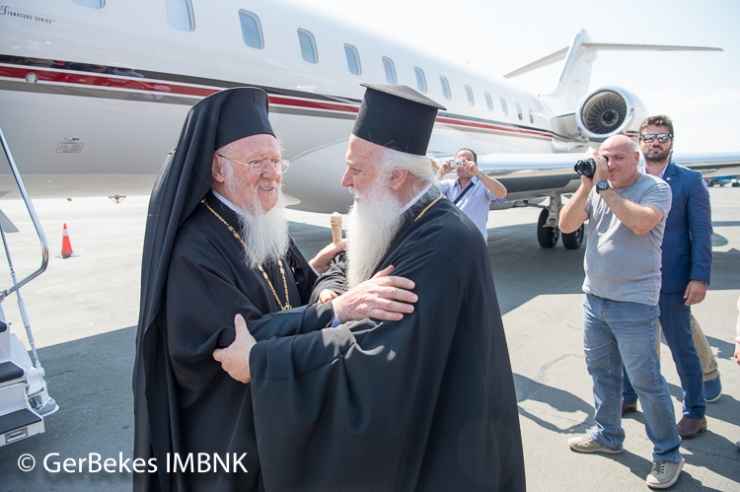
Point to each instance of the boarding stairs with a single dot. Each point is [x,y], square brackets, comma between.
[24,399]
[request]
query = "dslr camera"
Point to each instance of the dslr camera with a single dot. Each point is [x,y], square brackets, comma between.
[457,163]
[585,167]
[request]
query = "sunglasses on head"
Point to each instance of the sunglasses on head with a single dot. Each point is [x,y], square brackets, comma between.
[662,137]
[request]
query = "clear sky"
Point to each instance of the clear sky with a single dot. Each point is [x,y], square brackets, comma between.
[699,90]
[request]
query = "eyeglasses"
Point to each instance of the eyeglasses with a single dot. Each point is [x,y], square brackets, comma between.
[259,166]
[662,137]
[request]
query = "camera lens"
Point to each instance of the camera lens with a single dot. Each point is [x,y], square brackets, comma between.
[585,167]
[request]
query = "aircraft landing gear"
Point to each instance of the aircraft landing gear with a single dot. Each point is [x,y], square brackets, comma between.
[547,227]
[547,235]
[574,239]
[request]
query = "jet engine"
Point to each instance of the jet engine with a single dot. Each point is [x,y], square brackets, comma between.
[609,111]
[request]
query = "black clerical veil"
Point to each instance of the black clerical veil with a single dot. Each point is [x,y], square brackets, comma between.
[184,180]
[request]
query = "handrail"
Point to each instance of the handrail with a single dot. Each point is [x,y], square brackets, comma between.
[34,219]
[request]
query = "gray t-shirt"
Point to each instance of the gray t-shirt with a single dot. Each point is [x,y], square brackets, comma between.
[619,264]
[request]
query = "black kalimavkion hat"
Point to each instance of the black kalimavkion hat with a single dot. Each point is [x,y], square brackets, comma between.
[396,117]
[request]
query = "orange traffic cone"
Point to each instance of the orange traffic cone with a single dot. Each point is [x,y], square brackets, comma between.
[66,245]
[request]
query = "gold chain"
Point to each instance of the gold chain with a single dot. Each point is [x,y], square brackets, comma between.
[428,207]
[262,271]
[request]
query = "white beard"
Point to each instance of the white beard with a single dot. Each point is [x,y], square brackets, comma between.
[264,233]
[373,222]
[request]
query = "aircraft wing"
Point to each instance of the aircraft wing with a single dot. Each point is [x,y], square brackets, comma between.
[528,176]
[710,163]
[532,175]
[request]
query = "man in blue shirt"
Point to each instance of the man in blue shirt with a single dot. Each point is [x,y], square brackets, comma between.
[473,190]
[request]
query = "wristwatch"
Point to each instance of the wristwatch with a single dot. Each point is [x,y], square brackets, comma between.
[602,185]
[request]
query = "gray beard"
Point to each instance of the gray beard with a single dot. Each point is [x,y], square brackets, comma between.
[265,234]
[373,222]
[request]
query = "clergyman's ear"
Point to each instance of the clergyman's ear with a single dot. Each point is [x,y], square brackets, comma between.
[217,170]
[398,178]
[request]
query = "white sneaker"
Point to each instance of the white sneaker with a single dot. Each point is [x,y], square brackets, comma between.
[586,444]
[664,474]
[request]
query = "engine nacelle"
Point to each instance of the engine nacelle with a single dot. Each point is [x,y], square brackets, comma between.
[609,111]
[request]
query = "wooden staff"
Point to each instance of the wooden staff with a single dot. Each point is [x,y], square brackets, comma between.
[336,227]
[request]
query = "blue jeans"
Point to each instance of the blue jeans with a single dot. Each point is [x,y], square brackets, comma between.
[616,332]
[675,318]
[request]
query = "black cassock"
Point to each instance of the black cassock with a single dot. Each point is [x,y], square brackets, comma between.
[426,403]
[208,283]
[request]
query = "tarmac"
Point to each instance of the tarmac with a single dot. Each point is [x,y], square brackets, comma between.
[83,311]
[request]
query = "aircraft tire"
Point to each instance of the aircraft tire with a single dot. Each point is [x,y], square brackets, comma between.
[736,184]
[574,239]
[546,236]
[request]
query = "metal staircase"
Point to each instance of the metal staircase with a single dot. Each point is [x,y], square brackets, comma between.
[24,400]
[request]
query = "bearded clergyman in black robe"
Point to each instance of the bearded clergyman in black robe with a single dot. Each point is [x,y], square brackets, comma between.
[216,245]
[426,403]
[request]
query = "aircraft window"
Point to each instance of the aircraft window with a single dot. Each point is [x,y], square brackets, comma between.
[489,101]
[95,4]
[180,14]
[308,46]
[353,59]
[445,87]
[504,108]
[390,70]
[251,30]
[469,92]
[421,80]
[531,116]
[519,110]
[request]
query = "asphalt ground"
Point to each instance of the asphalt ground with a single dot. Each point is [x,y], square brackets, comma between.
[83,312]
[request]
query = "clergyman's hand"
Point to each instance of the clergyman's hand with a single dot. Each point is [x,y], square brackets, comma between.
[234,359]
[382,297]
[695,292]
[327,295]
[323,258]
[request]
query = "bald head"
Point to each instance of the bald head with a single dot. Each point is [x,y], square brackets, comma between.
[619,140]
[622,160]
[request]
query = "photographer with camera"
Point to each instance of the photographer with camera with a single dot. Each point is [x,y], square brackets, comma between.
[627,213]
[473,190]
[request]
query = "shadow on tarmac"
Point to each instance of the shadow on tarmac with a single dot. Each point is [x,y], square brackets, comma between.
[91,378]
[91,381]
[709,450]
[562,401]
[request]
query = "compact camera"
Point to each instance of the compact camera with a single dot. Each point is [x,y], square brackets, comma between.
[457,163]
[585,167]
